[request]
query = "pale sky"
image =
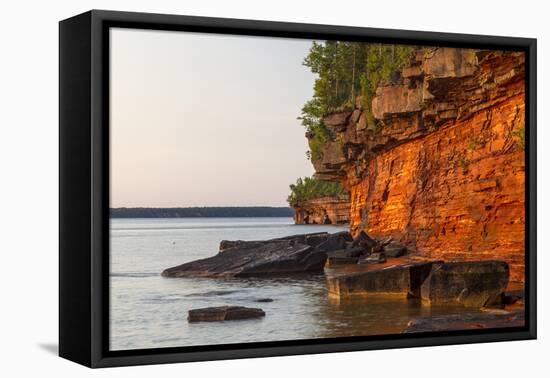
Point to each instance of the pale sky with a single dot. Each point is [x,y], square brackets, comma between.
[206,119]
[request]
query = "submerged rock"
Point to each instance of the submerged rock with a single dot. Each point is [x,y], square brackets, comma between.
[476,321]
[468,283]
[264,300]
[214,314]
[404,280]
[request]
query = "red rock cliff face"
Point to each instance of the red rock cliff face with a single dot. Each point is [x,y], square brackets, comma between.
[443,168]
[324,210]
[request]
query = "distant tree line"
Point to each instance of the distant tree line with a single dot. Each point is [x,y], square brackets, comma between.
[310,188]
[344,71]
[200,212]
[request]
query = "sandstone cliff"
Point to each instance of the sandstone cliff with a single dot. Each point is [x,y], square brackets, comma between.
[440,164]
[324,210]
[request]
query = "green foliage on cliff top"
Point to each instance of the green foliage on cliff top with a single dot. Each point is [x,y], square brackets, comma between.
[310,188]
[345,70]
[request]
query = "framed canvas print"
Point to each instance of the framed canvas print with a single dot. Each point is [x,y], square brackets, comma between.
[234,188]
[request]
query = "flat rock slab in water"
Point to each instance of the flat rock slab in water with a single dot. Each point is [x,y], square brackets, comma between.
[216,314]
[404,280]
[496,319]
[289,255]
[468,283]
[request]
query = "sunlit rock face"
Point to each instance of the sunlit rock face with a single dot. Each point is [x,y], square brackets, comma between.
[442,167]
[324,210]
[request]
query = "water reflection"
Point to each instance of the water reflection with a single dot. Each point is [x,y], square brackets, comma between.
[149,311]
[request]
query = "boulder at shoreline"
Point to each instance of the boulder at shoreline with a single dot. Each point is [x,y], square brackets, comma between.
[288,255]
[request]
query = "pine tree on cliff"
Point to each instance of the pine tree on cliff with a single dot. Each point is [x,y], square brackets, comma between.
[344,69]
[310,188]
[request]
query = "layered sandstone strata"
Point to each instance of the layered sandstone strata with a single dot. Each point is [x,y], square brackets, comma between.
[442,166]
[324,210]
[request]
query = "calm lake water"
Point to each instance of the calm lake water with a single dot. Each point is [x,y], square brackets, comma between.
[149,311]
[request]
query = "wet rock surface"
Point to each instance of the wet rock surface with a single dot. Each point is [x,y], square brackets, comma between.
[469,284]
[287,255]
[404,280]
[483,320]
[290,254]
[466,284]
[222,313]
[344,256]
[373,258]
[367,270]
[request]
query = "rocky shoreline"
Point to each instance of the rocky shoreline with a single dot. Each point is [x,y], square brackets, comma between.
[440,163]
[359,267]
[324,210]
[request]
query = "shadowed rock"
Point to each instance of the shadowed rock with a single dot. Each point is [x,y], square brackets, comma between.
[315,239]
[276,257]
[404,280]
[470,284]
[311,239]
[365,241]
[512,297]
[214,314]
[344,256]
[335,242]
[374,258]
[338,120]
[285,255]
[476,321]
[394,249]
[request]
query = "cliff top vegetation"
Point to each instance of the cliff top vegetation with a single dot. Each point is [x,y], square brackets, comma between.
[344,71]
[310,188]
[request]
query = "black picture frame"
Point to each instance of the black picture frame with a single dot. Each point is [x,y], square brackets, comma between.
[84,188]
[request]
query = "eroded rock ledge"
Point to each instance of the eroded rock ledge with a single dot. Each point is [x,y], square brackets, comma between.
[323,210]
[442,166]
[470,284]
[294,254]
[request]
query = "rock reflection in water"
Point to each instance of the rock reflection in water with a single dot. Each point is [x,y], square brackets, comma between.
[373,315]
